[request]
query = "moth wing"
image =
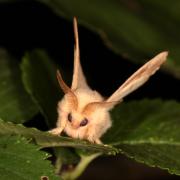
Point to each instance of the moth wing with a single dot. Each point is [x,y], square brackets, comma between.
[138,78]
[79,80]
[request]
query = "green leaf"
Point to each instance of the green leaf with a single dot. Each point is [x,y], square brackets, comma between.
[129,27]
[23,161]
[16,105]
[148,131]
[40,81]
[45,139]
[39,78]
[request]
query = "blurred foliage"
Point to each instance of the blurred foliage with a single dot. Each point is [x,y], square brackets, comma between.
[38,74]
[135,29]
[16,105]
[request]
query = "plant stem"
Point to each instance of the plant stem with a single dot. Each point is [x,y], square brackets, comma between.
[79,169]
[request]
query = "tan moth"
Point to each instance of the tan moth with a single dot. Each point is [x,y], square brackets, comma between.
[83,113]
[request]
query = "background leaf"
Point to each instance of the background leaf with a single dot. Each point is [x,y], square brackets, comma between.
[23,161]
[148,131]
[129,27]
[39,78]
[16,105]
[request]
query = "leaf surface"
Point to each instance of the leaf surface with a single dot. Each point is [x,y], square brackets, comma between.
[39,78]
[45,139]
[16,104]
[23,161]
[148,131]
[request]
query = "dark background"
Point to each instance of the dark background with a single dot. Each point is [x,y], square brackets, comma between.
[29,25]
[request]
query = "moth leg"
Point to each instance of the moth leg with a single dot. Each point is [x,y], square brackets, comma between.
[56,131]
[98,141]
[91,139]
[91,135]
[60,127]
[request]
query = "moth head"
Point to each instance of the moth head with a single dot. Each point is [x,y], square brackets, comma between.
[83,117]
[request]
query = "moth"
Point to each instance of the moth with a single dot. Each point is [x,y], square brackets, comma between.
[83,113]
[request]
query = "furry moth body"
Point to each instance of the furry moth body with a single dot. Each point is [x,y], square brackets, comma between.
[83,113]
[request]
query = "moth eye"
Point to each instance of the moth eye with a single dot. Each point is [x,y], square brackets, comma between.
[84,122]
[69,117]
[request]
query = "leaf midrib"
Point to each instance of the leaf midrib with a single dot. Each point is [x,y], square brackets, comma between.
[139,142]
